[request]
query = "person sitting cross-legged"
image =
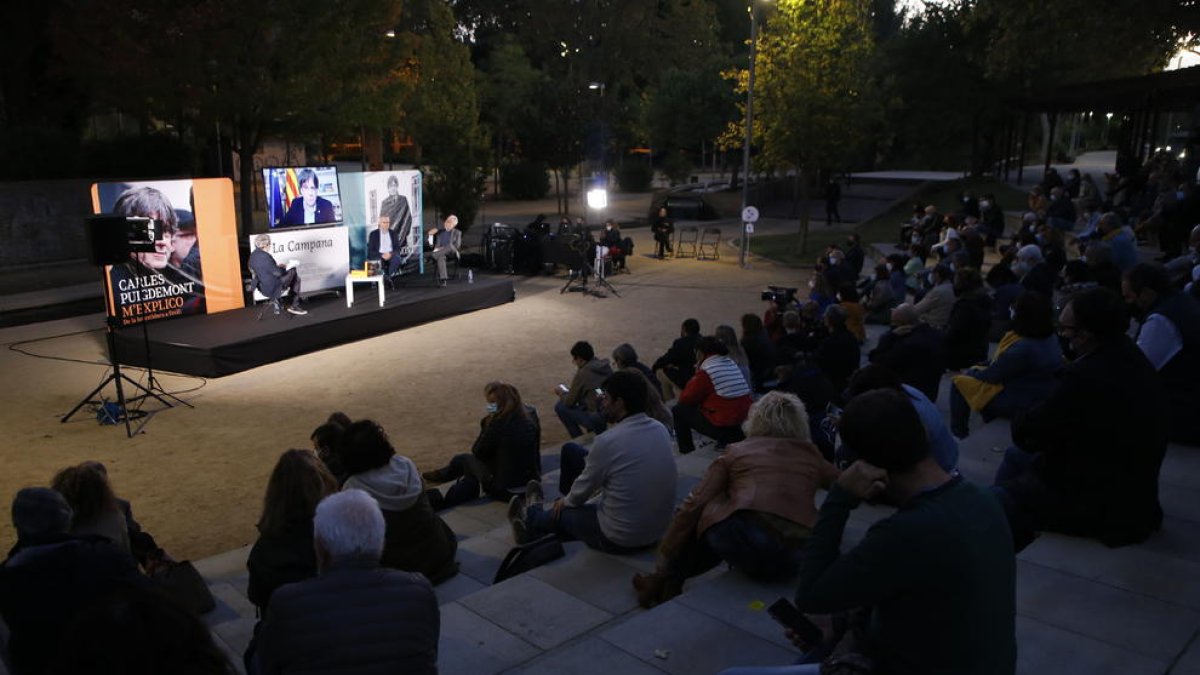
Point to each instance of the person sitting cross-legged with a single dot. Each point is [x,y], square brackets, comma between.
[504,457]
[937,579]
[620,494]
[716,399]
[355,616]
[753,509]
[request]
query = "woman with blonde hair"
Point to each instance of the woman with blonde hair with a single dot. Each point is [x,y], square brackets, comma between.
[503,459]
[754,508]
[284,551]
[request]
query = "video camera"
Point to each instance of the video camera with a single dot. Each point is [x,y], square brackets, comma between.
[780,295]
[112,238]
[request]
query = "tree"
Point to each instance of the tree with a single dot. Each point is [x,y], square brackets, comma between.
[688,108]
[817,105]
[508,85]
[254,70]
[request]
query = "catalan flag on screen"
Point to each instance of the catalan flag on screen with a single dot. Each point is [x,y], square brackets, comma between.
[282,188]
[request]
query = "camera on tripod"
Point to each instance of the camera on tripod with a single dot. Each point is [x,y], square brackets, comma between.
[112,238]
[780,295]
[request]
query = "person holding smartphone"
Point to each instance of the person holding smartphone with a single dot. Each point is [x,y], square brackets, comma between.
[937,578]
[578,406]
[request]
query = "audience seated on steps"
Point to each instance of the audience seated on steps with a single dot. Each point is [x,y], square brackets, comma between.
[839,354]
[618,496]
[914,350]
[283,553]
[753,509]
[625,358]
[1085,460]
[1019,376]
[50,576]
[881,297]
[577,406]
[504,457]
[355,617]
[135,631]
[969,322]
[327,442]
[1168,333]
[937,579]
[417,539]
[677,366]
[760,352]
[942,445]
[934,307]
[728,337]
[716,399]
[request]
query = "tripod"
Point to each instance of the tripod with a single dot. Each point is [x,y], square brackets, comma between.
[150,390]
[598,269]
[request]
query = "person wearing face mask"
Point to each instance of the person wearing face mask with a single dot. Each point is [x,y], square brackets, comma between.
[1085,460]
[1020,375]
[618,497]
[855,256]
[1168,333]
[1060,213]
[619,248]
[1180,268]
[504,457]
[991,219]
[970,319]
[934,308]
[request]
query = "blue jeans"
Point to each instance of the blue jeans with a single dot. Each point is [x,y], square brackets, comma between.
[573,418]
[801,669]
[571,460]
[689,417]
[742,542]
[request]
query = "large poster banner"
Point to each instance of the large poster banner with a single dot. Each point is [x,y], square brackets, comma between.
[194,268]
[321,254]
[395,194]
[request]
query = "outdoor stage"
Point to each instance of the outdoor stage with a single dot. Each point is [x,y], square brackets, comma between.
[229,342]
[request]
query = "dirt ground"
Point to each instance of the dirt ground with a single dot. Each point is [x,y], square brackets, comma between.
[196,476]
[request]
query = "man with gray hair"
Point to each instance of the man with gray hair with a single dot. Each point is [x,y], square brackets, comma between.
[355,617]
[273,279]
[51,575]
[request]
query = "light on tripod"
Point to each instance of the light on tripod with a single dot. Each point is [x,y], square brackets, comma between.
[597,198]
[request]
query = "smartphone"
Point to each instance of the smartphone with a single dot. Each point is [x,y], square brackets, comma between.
[599,392]
[788,616]
[563,389]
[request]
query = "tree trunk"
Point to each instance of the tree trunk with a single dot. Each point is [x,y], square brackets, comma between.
[1046,140]
[247,146]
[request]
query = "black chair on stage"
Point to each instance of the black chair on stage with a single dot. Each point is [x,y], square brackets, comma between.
[260,299]
[456,257]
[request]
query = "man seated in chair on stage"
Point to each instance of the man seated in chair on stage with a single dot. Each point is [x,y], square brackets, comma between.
[273,279]
[445,243]
[383,244]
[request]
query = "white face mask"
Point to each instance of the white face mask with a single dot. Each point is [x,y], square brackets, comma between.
[492,408]
[832,260]
[889,267]
[984,204]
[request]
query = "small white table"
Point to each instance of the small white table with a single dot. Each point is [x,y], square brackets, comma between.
[351,280]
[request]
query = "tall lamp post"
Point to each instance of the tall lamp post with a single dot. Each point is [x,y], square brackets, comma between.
[745,242]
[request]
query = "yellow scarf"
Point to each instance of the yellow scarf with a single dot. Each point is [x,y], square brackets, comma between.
[977,392]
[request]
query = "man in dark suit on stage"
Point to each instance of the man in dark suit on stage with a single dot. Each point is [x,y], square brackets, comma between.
[395,207]
[309,209]
[383,244]
[273,279]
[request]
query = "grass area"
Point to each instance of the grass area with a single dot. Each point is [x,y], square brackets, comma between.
[945,196]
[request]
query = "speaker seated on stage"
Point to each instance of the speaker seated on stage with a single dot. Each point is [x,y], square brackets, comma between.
[384,244]
[445,242]
[272,279]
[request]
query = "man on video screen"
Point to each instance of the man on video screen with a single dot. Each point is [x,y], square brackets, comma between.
[309,209]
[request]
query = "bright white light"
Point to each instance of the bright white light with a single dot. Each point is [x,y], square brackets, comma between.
[390,33]
[597,198]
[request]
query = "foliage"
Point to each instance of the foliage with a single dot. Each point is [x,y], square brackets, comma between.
[524,180]
[688,107]
[1037,44]
[677,166]
[634,176]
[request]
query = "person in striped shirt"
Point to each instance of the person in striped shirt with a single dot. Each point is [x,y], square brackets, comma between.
[715,401]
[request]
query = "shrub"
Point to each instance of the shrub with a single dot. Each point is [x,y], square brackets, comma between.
[524,180]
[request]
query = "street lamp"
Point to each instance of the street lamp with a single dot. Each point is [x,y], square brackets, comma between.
[745,242]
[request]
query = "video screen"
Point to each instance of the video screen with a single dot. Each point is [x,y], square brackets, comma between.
[302,196]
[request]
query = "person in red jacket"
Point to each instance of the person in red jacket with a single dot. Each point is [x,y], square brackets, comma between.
[715,401]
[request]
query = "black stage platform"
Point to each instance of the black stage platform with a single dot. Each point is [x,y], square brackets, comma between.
[220,344]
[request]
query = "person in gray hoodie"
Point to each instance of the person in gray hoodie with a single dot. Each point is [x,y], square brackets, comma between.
[417,540]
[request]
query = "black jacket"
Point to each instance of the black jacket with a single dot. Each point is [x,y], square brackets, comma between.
[917,357]
[967,330]
[838,357]
[510,448]
[280,559]
[355,619]
[680,360]
[1102,435]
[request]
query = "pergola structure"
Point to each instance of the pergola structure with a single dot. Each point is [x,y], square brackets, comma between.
[1139,102]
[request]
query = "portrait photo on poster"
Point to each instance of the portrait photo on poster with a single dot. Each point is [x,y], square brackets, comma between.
[168,281]
[395,195]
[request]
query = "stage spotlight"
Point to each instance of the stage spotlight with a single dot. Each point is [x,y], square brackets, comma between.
[597,198]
